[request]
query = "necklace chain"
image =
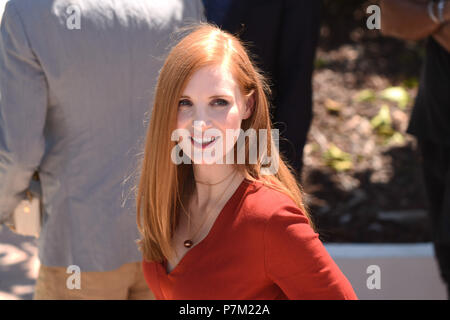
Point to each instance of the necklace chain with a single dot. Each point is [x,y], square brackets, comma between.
[213,184]
[189,242]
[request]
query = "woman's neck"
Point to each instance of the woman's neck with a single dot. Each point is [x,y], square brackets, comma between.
[212,180]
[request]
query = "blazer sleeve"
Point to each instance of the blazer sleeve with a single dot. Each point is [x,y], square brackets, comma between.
[297,261]
[23,107]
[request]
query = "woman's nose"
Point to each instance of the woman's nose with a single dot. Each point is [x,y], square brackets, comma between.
[200,124]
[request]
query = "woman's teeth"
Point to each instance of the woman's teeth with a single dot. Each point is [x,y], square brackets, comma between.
[204,141]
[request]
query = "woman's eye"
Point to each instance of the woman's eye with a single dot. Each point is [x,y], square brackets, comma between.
[184,102]
[220,102]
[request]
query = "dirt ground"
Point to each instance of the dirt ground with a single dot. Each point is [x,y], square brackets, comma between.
[378,195]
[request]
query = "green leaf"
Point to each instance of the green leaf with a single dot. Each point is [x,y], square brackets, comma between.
[340,166]
[382,119]
[396,139]
[320,63]
[411,83]
[396,94]
[366,95]
[382,123]
[337,159]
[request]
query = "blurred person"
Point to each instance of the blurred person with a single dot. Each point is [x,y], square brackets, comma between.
[212,228]
[430,119]
[76,80]
[282,36]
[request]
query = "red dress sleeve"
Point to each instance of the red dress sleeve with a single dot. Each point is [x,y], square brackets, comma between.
[297,261]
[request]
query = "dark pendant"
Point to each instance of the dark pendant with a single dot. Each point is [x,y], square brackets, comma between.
[188,243]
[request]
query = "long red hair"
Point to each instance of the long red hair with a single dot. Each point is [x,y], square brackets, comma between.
[163,186]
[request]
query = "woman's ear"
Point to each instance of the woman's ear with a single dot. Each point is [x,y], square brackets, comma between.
[249,105]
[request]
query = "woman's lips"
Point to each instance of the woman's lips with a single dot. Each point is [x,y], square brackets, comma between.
[203,145]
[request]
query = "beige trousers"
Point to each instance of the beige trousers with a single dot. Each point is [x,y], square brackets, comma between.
[124,283]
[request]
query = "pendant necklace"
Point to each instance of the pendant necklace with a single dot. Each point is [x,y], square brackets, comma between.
[189,242]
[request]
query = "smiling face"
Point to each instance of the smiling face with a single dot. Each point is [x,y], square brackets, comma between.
[210,105]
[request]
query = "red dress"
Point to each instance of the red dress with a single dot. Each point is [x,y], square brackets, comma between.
[260,247]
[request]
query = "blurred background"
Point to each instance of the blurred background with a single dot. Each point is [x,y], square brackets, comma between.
[361,169]
[361,172]
[18,257]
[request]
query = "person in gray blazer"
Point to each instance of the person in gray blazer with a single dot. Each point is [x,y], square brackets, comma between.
[76,85]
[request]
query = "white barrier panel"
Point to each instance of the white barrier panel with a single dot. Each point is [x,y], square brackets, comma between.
[390,271]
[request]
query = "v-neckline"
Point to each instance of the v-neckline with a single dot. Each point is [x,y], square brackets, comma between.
[211,232]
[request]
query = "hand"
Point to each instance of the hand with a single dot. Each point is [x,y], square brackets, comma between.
[446,8]
[9,222]
[443,36]
[407,19]
[11,227]
[447,11]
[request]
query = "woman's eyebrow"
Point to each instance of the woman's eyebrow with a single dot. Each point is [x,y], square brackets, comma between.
[215,96]
[221,96]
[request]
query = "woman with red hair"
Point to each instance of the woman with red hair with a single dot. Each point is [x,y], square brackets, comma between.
[214,228]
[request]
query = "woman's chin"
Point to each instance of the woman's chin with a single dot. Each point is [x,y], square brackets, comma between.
[207,159]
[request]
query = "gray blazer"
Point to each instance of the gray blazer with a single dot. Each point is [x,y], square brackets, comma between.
[76,84]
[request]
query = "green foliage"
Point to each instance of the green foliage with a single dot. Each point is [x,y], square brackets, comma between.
[397,138]
[337,159]
[396,94]
[320,63]
[382,124]
[411,83]
[366,95]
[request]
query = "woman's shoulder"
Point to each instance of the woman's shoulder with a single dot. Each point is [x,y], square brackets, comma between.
[273,213]
[265,201]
